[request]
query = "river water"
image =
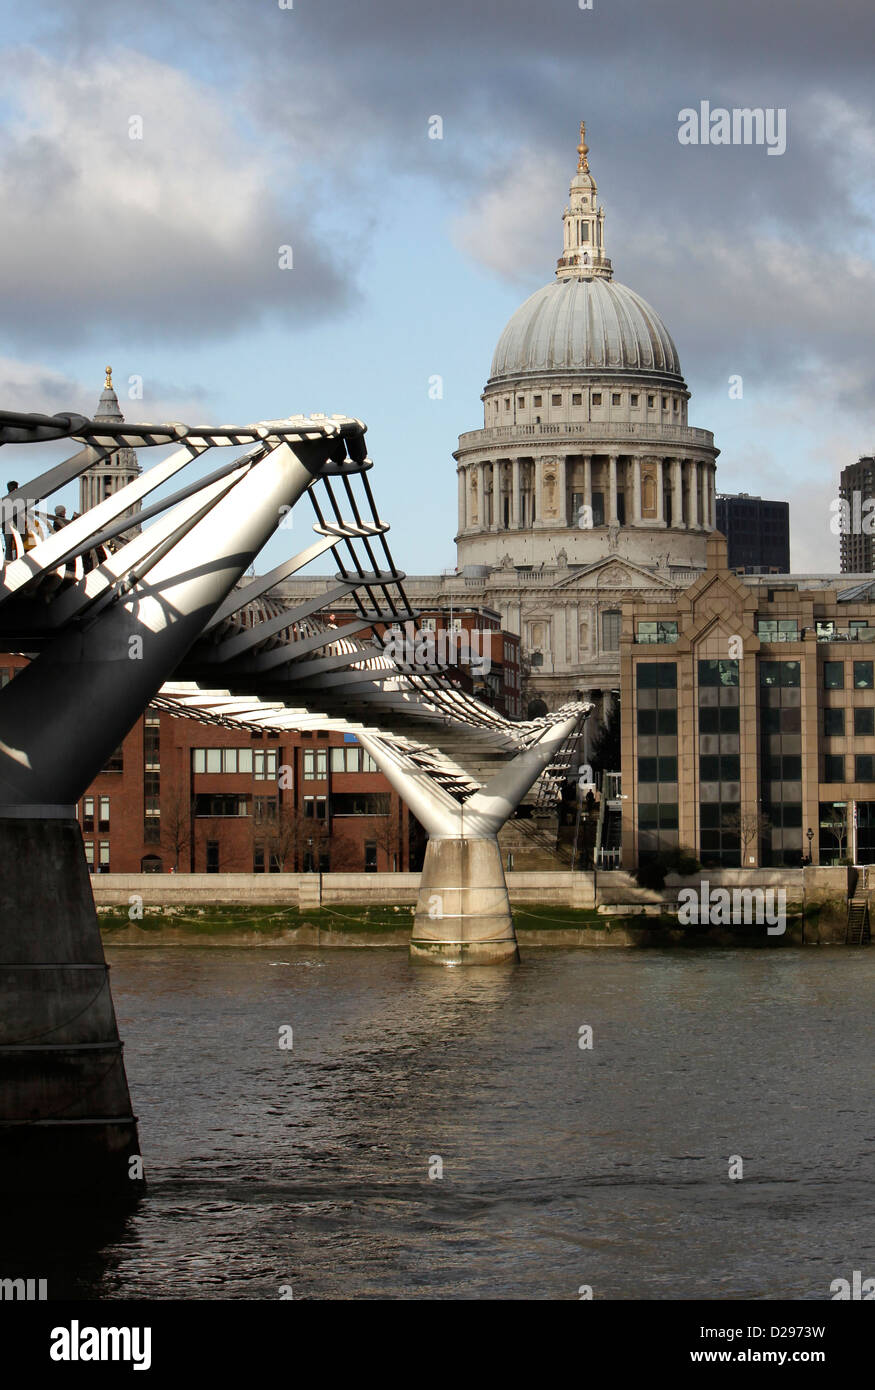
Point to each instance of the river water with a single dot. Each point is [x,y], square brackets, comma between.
[315,1168]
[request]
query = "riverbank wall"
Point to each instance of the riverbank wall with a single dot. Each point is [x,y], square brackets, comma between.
[603,910]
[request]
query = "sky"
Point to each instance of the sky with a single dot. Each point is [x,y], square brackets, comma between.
[154,160]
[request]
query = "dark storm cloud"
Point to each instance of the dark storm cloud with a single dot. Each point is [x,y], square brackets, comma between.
[759,263]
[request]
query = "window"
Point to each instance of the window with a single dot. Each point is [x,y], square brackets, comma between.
[833,768]
[315,765]
[615,398]
[232,760]
[665,402]
[115,762]
[265,808]
[212,856]
[507,402]
[316,807]
[719,672]
[657,632]
[633,399]
[258,859]
[265,764]
[352,759]
[778,630]
[596,397]
[521,400]
[361,803]
[555,399]
[863,767]
[651,401]
[537,400]
[221,804]
[576,398]
[89,855]
[834,723]
[862,675]
[864,722]
[428,624]
[103,856]
[103,821]
[611,620]
[88,813]
[834,675]
[675,402]
[370,856]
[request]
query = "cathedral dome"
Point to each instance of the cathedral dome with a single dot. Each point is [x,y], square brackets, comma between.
[580,323]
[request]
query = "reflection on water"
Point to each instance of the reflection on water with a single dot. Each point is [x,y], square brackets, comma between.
[561,1166]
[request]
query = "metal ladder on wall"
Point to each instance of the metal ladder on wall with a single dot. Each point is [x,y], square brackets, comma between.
[858,931]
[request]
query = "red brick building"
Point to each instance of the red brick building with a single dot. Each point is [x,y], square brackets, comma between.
[189,797]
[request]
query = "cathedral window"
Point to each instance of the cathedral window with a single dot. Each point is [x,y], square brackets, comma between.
[584,231]
[611,630]
[665,402]
[596,397]
[521,400]
[615,398]
[556,400]
[576,398]
[651,401]
[507,402]
[633,399]
[537,401]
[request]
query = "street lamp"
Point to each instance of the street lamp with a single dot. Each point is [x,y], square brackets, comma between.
[810,836]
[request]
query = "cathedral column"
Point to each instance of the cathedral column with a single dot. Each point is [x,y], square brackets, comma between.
[496,496]
[712,496]
[636,489]
[694,494]
[563,490]
[587,483]
[463,500]
[480,478]
[612,489]
[660,493]
[677,494]
[515,470]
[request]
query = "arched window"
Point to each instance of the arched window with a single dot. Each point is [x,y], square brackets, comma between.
[151,864]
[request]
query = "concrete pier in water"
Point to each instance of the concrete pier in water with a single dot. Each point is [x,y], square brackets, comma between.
[66,1122]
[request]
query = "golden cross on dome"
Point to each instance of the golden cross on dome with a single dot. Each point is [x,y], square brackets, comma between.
[107,385]
[582,151]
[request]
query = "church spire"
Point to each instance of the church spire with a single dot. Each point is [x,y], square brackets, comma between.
[583,252]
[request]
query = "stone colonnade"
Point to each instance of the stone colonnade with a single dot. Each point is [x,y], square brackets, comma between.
[515,493]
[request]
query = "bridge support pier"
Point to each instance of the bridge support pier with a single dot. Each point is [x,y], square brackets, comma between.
[463,914]
[66,1124]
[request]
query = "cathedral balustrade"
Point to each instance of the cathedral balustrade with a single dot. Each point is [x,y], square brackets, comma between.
[621,429]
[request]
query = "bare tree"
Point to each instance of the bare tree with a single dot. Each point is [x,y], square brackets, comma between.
[750,826]
[176,819]
[838,828]
[387,831]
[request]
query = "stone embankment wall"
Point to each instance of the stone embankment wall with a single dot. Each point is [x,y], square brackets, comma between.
[816,898]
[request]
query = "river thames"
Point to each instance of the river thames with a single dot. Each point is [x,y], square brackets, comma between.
[315,1169]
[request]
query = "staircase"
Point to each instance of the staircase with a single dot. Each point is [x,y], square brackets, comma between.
[858,931]
[608,851]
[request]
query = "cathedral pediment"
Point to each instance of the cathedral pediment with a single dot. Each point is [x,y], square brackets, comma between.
[612,573]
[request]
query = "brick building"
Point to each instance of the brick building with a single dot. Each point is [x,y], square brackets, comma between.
[193,797]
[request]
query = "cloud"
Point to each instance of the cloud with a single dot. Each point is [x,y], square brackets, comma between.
[178,232]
